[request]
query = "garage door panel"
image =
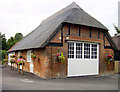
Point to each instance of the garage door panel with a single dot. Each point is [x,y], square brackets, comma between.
[83,66]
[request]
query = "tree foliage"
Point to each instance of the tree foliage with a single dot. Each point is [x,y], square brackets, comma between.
[0,40]
[3,46]
[18,36]
[4,52]
[117,29]
[3,42]
[7,44]
[13,40]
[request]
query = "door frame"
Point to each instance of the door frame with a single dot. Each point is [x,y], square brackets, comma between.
[31,65]
[98,44]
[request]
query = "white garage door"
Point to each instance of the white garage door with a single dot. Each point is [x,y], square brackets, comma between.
[83,58]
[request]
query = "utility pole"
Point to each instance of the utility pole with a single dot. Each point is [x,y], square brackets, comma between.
[119,14]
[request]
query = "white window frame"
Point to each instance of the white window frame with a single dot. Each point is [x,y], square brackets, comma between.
[83,51]
[94,51]
[10,54]
[80,50]
[29,55]
[19,53]
[70,50]
[87,48]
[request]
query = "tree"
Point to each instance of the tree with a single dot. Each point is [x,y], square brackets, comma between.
[13,40]
[3,44]
[10,43]
[18,36]
[4,52]
[6,45]
[117,30]
[0,41]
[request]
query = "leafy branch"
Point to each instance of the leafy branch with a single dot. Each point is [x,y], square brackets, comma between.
[117,29]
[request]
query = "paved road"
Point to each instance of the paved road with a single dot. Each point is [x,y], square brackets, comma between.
[12,81]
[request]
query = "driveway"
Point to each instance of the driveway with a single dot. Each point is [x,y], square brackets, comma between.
[12,81]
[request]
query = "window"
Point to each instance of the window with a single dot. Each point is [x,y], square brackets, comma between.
[29,56]
[70,49]
[12,53]
[86,50]
[82,50]
[94,51]
[19,54]
[78,50]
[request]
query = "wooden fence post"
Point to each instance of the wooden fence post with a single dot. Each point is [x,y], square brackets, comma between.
[5,64]
[11,66]
[18,69]
[22,69]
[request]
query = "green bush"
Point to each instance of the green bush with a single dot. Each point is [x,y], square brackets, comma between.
[3,52]
[2,62]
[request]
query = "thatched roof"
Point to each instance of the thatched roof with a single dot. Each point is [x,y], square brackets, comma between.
[116,39]
[71,14]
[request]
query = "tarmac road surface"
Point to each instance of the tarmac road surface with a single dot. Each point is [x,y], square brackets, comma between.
[12,81]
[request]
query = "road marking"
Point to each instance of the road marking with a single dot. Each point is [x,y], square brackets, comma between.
[26,80]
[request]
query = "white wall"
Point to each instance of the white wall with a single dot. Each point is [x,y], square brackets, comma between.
[9,54]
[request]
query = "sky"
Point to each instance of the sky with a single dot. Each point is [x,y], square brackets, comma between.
[25,15]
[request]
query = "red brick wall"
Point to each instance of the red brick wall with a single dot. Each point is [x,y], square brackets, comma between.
[106,42]
[104,66]
[74,30]
[85,32]
[41,66]
[58,70]
[94,31]
[57,38]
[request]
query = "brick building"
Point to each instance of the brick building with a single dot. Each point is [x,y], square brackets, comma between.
[116,39]
[83,40]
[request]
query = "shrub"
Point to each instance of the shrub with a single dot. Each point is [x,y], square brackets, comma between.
[2,62]
[4,53]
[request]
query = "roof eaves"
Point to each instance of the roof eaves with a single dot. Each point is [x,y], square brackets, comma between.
[10,50]
[111,41]
[52,35]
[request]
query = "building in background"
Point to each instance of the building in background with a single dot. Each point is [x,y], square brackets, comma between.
[116,39]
